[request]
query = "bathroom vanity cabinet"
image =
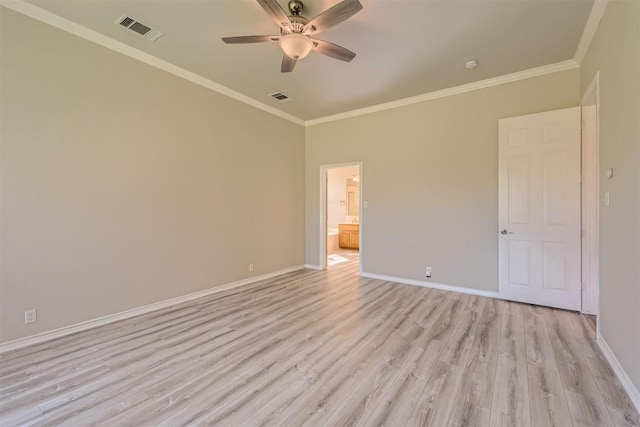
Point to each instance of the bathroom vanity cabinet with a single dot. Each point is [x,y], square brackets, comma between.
[349,236]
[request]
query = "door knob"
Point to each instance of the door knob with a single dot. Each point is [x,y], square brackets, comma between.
[506,232]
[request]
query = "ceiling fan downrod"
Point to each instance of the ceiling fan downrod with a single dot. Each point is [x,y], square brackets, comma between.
[295,7]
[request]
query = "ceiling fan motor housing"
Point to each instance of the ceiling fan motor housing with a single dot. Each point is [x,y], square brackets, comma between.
[296,24]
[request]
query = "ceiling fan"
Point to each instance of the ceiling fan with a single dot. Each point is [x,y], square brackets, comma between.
[296,32]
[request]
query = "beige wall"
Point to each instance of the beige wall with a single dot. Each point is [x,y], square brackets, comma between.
[615,52]
[430,177]
[123,185]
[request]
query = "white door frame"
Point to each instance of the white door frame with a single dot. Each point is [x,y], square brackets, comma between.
[591,209]
[323,212]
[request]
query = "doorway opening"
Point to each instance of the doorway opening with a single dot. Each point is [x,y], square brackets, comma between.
[340,213]
[590,202]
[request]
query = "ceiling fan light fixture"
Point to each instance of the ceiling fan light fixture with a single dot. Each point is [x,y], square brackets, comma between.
[295,45]
[296,30]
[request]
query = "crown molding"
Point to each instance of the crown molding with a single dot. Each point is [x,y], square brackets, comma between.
[456,90]
[61,23]
[597,12]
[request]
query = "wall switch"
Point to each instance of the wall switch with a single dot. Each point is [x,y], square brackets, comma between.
[606,199]
[365,205]
[250,267]
[30,316]
[428,272]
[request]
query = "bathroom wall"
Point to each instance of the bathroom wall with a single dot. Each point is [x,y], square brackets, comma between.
[337,194]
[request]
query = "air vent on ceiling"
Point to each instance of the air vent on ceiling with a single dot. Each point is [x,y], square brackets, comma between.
[138,27]
[280,96]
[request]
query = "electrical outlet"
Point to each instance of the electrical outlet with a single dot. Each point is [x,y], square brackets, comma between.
[250,267]
[30,316]
[428,272]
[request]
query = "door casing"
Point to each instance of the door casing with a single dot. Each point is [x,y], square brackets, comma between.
[590,198]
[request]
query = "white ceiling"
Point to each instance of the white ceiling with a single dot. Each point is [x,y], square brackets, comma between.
[404,47]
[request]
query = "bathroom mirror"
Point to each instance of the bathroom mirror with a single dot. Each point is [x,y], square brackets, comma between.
[353,198]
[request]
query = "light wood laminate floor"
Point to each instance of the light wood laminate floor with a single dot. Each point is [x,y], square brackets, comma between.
[322,348]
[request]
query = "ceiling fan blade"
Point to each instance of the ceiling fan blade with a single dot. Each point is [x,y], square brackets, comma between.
[275,11]
[333,16]
[250,39]
[333,50]
[287,64]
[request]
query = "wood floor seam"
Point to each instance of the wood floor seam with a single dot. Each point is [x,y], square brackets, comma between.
[322,348]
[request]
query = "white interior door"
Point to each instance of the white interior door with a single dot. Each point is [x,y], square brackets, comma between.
[539,209]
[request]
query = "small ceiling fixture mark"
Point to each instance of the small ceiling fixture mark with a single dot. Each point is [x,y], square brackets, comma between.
[470,65]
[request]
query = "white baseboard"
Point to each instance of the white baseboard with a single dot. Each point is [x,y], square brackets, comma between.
[312,267]
[441,286]
[83,326]
[628,385]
